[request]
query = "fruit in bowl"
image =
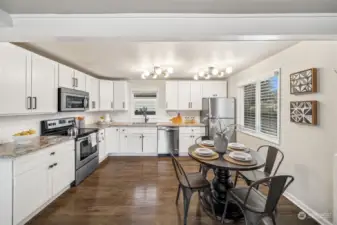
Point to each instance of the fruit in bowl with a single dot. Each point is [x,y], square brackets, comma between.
[24,137]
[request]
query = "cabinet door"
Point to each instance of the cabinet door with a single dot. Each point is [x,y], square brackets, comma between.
[184,90]
[185,141]
[31,190]
[66,77]
[214,89]
[171,95]
[44,89]
[14,92]
[134,144]
[150,143]
[112,140]
[106,95]
[80,79]
[196,96]
[120,95]
[63,171]
[123,142]
[94,98]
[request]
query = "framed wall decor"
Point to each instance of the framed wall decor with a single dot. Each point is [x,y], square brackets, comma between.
[303,82]
[303,112]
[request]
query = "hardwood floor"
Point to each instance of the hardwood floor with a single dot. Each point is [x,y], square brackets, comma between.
[136,190]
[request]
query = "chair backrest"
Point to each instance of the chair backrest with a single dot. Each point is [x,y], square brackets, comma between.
[179,170]
[277,185]
[272,153]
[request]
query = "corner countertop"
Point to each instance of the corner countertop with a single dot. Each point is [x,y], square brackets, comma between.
[129,124]
[13,150]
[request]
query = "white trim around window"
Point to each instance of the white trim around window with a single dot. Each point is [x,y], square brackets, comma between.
[241,114]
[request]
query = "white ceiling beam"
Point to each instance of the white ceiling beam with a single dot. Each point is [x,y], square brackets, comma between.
[171,27]
[5,19]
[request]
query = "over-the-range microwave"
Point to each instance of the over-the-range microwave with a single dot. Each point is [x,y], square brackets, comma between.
[70,100]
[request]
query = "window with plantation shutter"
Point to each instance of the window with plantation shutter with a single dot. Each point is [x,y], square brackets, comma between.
[269,106]
[249,95]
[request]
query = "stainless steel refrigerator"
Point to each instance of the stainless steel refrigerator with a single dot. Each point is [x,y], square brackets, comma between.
[221,109]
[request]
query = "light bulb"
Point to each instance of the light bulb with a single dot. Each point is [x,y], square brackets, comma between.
[170,70]
[207,77]
[201,73]
[196,77]
[143,76]
[146,73]
[214,71]
[154,76]
[166,74]
[157,70]
[229,70]
[221,74]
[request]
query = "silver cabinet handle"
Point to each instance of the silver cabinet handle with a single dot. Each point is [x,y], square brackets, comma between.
[93,104]
[29,102]
[35,102]
[191,105]
[76,82]
[166,104]
[73,81]
[51,166]
[123,105]
[111,105]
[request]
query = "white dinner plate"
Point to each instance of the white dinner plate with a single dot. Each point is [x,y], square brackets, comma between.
[234,145]
[209,143]
[241,156]
[204,152]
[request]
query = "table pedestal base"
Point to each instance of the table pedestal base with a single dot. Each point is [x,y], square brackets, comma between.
[221,183]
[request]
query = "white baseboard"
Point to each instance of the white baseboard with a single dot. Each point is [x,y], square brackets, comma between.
[24,221]
[321,219]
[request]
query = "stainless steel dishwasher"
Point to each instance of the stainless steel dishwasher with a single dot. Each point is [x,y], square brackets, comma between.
[168,140]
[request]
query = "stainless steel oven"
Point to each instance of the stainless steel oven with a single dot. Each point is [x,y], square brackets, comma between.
[85,151]
[70,100]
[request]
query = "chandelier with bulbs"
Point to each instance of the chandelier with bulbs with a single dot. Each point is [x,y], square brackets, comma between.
[157,72]
[212,72]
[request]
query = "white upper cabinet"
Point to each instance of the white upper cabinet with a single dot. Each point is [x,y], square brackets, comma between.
[79,80]
[66,77]
[196,95]
[184,90]
[121,95]
[44,88]
[189,95]
[92,86]
[214,89]
[13,75]
[106,95]
[171,95]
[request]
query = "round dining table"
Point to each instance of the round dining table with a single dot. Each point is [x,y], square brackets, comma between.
[222,182]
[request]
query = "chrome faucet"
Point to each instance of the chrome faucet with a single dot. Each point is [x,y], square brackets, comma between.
[144,112]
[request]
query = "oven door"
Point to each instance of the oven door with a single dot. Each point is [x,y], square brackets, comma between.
[84,151]
[73,102]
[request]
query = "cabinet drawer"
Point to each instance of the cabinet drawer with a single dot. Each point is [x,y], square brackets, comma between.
[151,130]
[29,162]
[189,130]
[135,130]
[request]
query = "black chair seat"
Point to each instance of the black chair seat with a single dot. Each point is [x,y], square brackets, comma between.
[196,180]
[254,175]
[256,201]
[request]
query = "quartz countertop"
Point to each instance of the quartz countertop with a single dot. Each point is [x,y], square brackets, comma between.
[13,150]
[129,124]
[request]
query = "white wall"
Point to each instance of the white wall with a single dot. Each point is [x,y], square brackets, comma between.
[308,150]
[162,114]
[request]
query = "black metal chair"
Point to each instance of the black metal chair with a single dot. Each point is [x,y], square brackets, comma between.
[254,204]
[269,169]
[189,183]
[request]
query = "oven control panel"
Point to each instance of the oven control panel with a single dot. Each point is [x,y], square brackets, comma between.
[52,124]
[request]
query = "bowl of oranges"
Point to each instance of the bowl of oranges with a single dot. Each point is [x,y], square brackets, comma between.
[24,137]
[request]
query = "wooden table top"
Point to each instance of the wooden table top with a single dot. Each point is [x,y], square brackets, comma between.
[223,164]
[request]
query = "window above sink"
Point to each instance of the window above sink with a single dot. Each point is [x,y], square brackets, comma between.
[146,99]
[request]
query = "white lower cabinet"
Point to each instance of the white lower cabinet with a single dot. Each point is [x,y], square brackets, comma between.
[101,145]
[134,143]
[188,137]
[112,140]
[150,143]
[38,178]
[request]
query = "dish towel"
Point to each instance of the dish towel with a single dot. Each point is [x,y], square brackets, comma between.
[93,138]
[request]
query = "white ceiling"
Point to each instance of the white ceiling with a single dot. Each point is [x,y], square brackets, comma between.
[168,6]
[129,59]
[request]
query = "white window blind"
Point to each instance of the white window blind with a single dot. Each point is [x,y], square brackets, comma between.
[249,106]
[269,106]
[147,100]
